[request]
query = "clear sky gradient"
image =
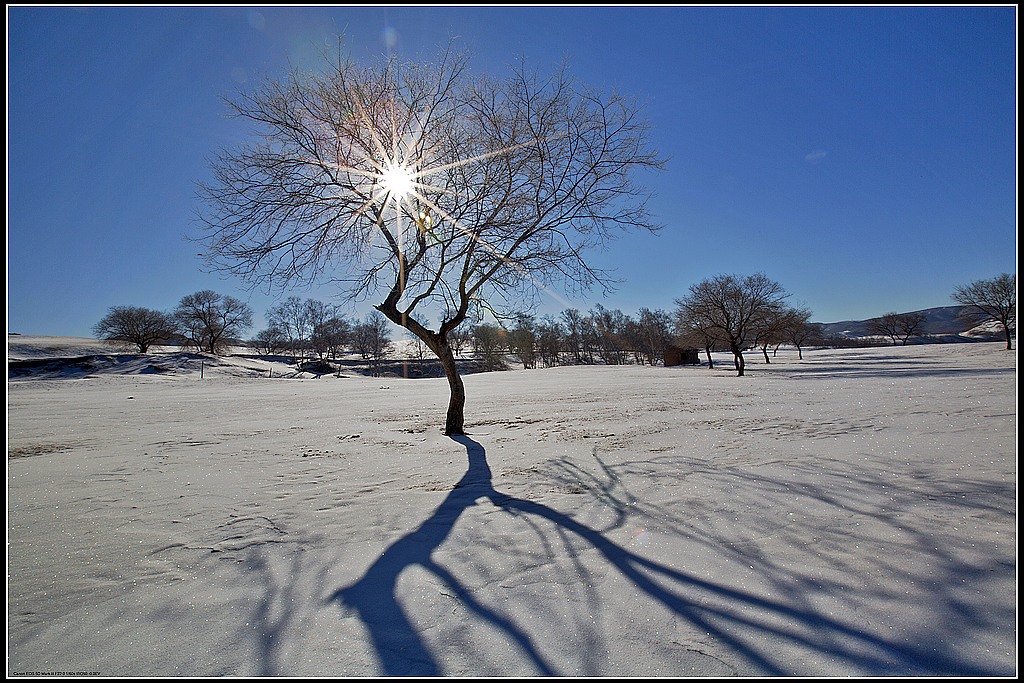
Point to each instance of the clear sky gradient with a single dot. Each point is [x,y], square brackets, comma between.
[863,157]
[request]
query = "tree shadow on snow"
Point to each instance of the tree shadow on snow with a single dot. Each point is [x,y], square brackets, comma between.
[736,619]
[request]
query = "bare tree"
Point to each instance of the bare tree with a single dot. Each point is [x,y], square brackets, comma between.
[799,331]
[417,349]
[270,341]
[695,332]
[372,340]
[550,335]
[574,323]
[781,324]
[317,313]
[654,329]
[994,299]
[330,336]
[210,320]
[911,325]
[522,340]
[489,344]
[732,308]
[135,326]
[611,331]
[428,188]
[899,327]
[459,338]
[770,327]
[886,325]
[291,317]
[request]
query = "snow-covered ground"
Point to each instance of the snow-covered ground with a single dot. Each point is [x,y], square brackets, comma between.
[851,514]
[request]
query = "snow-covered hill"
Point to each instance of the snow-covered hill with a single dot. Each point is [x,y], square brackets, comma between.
[943,322]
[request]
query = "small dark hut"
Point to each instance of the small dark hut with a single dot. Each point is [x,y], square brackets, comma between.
[677,356]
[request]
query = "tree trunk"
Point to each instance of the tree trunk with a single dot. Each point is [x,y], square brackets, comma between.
[738,359]
[711,363]
[764,350]
[455,422]
[1009,337]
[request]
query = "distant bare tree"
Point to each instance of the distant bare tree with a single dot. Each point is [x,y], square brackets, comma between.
[372,340]
[489,344]
[330,336]
[899,327]
[911,325]
[317,313]
[654,332]
[574,323]
[994,299]
[416,349]
[270,341]
[611,334]
[459,338]
[549,340]
[291,317]
[135,326]
[799,331]
[886,325]
[770,328]
[428,188]
[732,308]
[695,333]
[210,320]
[522,340]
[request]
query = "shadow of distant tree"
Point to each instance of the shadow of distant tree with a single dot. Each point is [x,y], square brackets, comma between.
[402,652]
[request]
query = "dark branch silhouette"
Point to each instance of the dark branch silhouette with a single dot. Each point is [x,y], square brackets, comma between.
[434,193]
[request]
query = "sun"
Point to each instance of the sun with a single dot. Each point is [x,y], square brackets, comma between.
[398,181]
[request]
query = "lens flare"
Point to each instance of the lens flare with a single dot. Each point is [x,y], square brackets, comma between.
[398,181]
[394,181]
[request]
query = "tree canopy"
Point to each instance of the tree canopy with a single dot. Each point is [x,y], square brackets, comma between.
[994,299]
[733,309]
[433,191]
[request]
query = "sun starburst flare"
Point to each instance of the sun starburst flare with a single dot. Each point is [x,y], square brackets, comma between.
[397,179]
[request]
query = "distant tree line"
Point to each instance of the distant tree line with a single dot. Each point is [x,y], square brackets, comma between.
[725,313]
[315,330]
[600,336]
[307,329]
[214,323]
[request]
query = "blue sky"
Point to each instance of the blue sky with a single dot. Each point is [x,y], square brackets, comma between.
[863,157]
